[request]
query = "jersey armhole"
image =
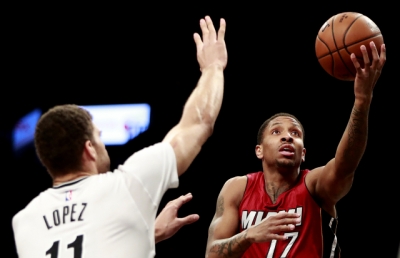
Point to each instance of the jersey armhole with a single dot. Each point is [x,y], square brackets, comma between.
[315,199]
[244,192]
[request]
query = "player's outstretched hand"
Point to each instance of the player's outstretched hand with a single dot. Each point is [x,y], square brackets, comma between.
[212,49]
[168,223]
[273,227]
[367,77]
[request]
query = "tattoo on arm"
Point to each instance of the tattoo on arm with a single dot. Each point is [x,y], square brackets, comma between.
[220,206]
[357,131]
[231,247]
[355,127]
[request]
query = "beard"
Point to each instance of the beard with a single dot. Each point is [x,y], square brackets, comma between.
[285,163]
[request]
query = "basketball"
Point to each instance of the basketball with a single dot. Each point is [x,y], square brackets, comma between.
[339,37]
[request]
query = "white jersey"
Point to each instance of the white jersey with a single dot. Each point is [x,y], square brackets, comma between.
[110,215]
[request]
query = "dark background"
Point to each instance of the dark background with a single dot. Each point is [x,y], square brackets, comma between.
[120,53]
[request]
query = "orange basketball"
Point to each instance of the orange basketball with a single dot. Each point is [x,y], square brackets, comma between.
[341,35]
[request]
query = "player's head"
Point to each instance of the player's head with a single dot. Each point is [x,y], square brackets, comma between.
[261,130]
[280,140]
[61,136]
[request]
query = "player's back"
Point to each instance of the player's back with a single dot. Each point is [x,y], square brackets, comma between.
[96,216]
[106,215]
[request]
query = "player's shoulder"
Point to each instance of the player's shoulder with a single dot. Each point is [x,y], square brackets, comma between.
[157,147]
[240,182]
[149,153]
[235,181]
[253,176]
[33,205]
[234,188]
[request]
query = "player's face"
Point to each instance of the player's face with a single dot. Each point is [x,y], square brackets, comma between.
[103,160]
[282,143]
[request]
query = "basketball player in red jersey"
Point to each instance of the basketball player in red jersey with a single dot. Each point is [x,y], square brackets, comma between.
[252,213]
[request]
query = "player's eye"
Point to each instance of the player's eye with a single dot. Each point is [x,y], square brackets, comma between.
[275,131]
[295,133]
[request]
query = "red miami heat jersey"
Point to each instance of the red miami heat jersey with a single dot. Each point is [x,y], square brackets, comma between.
[314,236]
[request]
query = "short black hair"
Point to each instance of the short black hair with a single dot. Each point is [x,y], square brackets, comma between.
[60,138]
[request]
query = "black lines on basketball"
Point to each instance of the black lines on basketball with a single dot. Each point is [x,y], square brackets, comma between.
[347,46]
[348,28]
[355,43]
[329,53]
[337,50]
[344,38]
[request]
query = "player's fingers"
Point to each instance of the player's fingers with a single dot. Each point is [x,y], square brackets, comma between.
[187,197]
[288,221]
[221,30]
[212,34]
[282,215]
[382,58]
[189,219]
[356,63]
[204,31]
[367,62]
[183,199]
[375,55]
[278,237]
[197,40]
[284,228]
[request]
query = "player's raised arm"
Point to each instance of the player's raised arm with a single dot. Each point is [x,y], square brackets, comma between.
[202,107]
[331,182]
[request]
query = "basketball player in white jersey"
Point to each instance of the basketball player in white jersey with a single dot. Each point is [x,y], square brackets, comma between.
[93,212]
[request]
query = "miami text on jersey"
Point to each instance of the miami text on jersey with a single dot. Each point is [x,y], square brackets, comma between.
[255,217]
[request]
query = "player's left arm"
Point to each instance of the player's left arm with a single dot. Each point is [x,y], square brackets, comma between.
[333,181]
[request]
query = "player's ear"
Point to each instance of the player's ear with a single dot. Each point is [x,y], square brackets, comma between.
[89,150]
[303,155]
[259,153]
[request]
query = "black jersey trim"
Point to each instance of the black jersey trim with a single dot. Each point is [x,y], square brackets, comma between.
[68,184]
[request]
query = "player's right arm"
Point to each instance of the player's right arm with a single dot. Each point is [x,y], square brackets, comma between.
[223,240]
[223,237]
[203,105]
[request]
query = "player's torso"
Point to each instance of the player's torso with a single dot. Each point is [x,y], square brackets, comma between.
[91,218]
[304,241]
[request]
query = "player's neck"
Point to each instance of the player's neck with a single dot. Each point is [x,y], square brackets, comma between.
[72,176]
[277,181]
[88,168]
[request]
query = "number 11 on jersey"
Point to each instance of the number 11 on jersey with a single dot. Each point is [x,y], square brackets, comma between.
[76,245]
